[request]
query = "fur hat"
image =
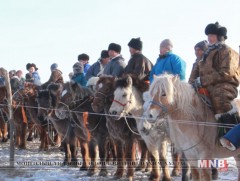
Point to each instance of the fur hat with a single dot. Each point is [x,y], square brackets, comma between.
[203,45]
[216,29]
[29,65]
[104,54]
[115,47]
[78,68]
[135,43]
[83,56]
[54,66]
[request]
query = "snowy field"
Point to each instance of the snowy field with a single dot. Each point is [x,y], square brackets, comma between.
[52,170]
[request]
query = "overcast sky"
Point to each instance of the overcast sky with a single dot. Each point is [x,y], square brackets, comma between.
[48,31]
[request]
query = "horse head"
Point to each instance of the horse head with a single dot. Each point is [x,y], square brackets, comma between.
[104,93]
[128,96]
[167,94]
[75,95]
[48,100]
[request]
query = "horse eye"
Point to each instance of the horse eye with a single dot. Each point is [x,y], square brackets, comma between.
[124,95]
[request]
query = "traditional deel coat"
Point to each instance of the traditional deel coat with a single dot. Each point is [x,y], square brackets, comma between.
[218,73]
[56,77]
[140,66]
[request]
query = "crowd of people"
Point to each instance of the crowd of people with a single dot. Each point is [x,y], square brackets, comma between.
[215,70]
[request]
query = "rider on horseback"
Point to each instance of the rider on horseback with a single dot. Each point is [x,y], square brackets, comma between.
[217,73]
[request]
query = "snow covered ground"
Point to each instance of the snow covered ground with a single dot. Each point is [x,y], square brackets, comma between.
[32,165]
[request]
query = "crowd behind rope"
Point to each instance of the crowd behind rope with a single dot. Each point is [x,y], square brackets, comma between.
[215,72]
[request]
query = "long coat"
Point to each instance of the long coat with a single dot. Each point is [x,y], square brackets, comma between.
[218,74]
[55,77]
[139,65]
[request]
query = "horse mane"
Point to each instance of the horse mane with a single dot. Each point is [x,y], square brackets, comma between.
[140,85]
[177,92]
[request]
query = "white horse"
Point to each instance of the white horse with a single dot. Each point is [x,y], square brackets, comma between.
[128,100]
[192,125]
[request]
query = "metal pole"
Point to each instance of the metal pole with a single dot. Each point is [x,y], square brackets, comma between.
[10,112]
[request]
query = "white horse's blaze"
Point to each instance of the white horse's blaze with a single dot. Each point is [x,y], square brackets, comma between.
[64,92]
[100,85]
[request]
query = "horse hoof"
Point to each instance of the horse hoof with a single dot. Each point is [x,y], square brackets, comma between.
[4,140]
[30,138]
[166,179]
[91,172]
[176,173]
[103,173]
[83,168]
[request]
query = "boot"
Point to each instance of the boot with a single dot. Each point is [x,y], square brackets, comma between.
[231,140]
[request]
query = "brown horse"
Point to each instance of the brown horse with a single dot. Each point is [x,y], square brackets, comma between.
[68,124]
[191,124]
[121,131]
[79,100]
[3,114]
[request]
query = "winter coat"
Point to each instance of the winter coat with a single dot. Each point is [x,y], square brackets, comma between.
[79,78]
[218,74]
[115,67]
[140,66]
[169,63]
[55,77]
[36,78]
[94,70]
[86,67]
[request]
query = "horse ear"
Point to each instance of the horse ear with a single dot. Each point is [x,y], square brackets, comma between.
[129,80]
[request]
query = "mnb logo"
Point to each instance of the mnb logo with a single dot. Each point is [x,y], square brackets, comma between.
[222,164]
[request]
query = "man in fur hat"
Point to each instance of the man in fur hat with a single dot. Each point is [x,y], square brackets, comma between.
[218,75]
[116,65]
[97,68]
[138,65]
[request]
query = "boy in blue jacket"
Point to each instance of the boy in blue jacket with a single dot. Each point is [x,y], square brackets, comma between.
[78,75]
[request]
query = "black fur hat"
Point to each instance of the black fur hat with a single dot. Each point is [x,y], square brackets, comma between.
[29,65]
[83,56]
[216,29]
[135,43]
[104,54]
[115,47]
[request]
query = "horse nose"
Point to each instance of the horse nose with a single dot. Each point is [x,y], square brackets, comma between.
[113,112]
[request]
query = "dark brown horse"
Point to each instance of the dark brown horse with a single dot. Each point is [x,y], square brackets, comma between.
[68,124]
[121,131]
[79,100]
[3,114]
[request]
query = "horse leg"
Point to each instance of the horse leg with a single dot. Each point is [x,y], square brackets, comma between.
[120,160]
[186,170]
[30,129]
[17,135]
[195,174]
[22,136]
[73,149]
[5,132]
[85,155]
[67,150]
[205,174]
[163,161]
[130,158]
[143,160]
[176,158]
[93,155]
[214,173]
[154,157]
[102,154]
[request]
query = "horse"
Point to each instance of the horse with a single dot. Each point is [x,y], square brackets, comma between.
[128,101]
[191,123]
[79,99]
[3,114]
[69,125]
[122,132]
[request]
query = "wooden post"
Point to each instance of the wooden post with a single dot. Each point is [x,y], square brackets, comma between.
[5,74]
